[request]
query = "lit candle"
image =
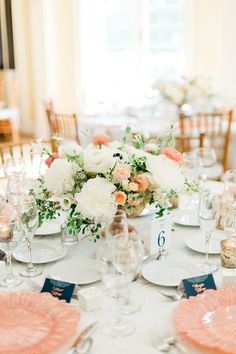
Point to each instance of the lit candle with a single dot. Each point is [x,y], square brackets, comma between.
[228,254]
[6,232]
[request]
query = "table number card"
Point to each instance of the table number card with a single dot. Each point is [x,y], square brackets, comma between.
[197,285]
[58,288]
[159,238]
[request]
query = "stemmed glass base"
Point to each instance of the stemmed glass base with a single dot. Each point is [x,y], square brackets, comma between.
[207,268]
[122,328]
[11,281]
[130,307]
[31,272]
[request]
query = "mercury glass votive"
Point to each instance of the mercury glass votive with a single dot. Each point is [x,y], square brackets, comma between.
[228,254]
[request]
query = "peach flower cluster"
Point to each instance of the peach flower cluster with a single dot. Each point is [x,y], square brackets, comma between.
[121,172]
[101,139]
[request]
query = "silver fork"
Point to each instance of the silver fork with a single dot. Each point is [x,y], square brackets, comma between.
[37,288]
[176,296]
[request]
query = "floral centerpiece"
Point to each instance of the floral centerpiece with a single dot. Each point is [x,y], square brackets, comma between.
[196,90]
[90,183]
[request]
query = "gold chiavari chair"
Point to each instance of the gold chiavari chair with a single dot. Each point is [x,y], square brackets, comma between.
[184,143]
[216,127]
[63,125]
[22,149]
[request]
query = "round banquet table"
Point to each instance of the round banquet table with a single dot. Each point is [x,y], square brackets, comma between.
[156,310]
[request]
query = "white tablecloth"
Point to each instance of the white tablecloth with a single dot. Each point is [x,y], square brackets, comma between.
[156,309]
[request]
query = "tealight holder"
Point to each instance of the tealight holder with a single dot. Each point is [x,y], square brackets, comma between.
[228,254]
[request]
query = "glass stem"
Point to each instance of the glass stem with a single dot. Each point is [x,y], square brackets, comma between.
[118,314]
[8,264]
[207,241]
[29,244]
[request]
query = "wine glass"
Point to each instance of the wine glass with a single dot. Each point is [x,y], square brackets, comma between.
[191,165]
[14,166]
[207,158]
[14,189]
[8,241]
[230,183]
[208,214]
[28,213]
[117,264]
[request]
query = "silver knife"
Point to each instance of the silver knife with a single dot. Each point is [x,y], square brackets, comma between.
[85,334]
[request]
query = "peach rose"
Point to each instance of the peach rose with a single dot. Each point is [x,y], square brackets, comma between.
[133,187]
[121,172]
[173,154]
[51,158]
[120,197]
[142,182]
[134,200]
[101,139]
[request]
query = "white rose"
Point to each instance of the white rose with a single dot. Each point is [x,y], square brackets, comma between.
[96,200]
[70,149]
[166,173]
[59,177]
[98,160]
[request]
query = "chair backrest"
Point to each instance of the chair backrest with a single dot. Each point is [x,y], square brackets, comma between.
[22,149]
[65,125]
[185,143]
[216,127]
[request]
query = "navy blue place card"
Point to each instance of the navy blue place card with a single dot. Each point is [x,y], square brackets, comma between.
[58,288]
[197,285]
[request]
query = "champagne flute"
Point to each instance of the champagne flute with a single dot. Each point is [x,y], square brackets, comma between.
[8,241]
[208,214]
[207,158]
[29,222]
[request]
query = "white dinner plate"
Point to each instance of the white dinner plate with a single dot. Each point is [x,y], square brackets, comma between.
[185,218]
[49,227]
[169,273]
[79,271]
[42,252]
[197,243]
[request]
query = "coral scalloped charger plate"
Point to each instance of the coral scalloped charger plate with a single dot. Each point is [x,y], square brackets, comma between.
[209,320]
[36,323]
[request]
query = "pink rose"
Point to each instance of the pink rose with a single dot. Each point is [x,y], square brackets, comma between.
[120,197]
[51,158]
[134,200]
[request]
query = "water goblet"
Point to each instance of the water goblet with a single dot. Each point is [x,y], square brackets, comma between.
[207,158]
[8,241]
[28,213]
[208,215]
[191,165]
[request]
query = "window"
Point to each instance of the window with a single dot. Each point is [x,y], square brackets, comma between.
[126,45]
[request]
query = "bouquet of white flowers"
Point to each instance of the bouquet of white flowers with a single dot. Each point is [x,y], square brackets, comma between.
[90,183]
